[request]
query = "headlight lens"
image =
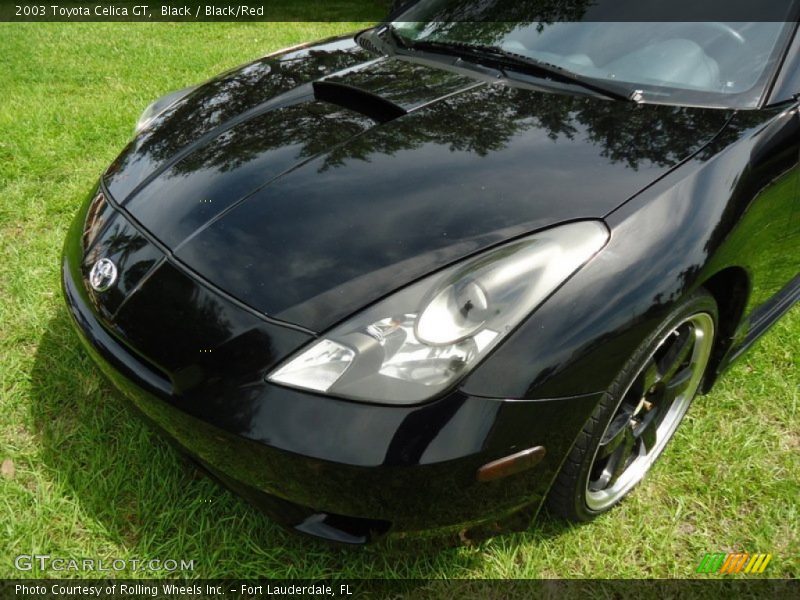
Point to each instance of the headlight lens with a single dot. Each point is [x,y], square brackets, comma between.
[159,106]
[422,339]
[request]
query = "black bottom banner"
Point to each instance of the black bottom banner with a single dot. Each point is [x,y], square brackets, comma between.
[67,589]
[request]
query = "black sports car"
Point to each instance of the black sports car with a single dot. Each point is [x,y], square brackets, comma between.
[431,275]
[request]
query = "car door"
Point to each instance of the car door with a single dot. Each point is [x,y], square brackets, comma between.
[777,256]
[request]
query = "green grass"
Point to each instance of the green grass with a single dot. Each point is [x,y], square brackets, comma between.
[91,481]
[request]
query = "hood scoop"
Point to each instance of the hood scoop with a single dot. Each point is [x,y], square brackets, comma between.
[370,105]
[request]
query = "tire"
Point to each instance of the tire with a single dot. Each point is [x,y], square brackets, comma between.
[638,414]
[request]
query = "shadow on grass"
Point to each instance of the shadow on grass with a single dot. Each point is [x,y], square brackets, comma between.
[152,503]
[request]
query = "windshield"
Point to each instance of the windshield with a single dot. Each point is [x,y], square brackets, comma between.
[704,63]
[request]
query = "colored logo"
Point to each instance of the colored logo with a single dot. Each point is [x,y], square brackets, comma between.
[734,562]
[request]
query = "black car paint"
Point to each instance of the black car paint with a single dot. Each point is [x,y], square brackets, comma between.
[189,339]
[468,167]
[298,455]
[727,213]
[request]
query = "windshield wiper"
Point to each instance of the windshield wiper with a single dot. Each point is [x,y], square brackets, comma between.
[398,39]
[523,63]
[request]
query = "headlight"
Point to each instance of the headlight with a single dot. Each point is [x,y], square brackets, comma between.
[422,339]
[159,106]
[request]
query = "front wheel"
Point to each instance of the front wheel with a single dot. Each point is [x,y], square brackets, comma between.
[638,415]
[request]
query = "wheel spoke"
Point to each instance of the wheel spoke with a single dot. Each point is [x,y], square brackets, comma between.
[677,354]
[650,377]
[613,457]
[646,432]
[615,435]
[621,456]
[602,480]
[678,384]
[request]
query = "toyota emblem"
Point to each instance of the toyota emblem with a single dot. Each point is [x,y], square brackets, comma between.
[103,275]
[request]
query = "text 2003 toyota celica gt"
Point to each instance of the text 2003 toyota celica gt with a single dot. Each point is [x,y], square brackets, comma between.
[434,275]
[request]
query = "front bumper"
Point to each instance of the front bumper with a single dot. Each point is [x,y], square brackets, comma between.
[341,470]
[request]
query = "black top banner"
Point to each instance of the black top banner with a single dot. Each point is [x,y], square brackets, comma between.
[195,11]
[378,10]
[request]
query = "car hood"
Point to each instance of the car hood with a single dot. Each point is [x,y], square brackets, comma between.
[310,184]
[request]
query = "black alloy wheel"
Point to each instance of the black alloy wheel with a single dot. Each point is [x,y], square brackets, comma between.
[639,414]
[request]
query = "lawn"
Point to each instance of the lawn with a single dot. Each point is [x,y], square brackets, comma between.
[85,479]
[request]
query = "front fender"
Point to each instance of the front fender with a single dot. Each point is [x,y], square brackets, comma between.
[665,243]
